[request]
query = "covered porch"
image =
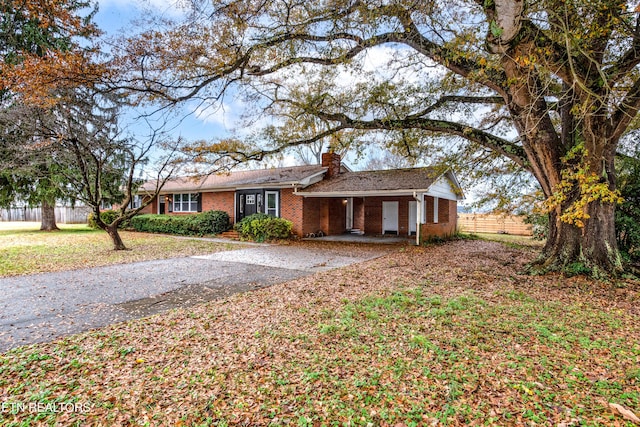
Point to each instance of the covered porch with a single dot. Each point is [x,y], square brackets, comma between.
[382,217]
[417,202]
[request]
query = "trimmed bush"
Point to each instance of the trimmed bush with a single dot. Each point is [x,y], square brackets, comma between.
[210,222]
[261,227]
[106,216]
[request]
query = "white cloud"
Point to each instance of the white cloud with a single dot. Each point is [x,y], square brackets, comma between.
[225,114]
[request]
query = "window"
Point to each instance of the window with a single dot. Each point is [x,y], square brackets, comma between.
[136,202]
[272,203]
[251,199]
[187,202]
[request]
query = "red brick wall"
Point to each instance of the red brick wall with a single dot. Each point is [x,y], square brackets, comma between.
[447,209]
[443,210]
[332,162]
[220,201]
[373,214]
[337,210]
[151,208]
[311,215]
[428,207]
[291,208]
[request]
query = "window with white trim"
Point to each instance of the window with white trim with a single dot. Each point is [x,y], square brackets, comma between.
[136,201]
[187,202]
[271,207]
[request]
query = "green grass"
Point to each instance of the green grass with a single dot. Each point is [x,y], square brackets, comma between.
[511,240]
[26,250]
[365,345]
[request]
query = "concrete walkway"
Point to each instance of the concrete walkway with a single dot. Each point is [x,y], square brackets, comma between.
[42,307]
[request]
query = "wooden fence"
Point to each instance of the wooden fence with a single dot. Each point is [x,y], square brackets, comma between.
[64,214]
[488,223]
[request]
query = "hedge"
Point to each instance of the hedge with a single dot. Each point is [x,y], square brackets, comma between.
[260,227]
[210,222]
[107,217]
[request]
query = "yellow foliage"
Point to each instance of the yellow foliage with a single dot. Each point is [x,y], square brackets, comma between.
[581,184]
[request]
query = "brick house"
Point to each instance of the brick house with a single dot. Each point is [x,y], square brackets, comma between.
[328,198]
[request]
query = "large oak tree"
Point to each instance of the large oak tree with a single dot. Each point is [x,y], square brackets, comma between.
[548,86]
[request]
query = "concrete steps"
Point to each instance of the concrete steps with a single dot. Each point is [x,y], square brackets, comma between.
[231,234]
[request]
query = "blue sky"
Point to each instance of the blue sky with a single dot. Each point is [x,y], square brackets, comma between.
[115,17]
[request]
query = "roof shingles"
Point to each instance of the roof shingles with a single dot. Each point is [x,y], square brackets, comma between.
[380,180]
[232,180]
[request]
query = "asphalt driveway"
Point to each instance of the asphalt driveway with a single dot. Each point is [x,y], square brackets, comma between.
[42,307]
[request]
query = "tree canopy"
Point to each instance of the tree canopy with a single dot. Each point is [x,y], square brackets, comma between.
[546,87]
[44,47]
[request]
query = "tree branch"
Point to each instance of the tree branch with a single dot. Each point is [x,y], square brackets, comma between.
[625,112]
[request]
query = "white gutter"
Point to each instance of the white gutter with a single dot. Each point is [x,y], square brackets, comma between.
[368,193]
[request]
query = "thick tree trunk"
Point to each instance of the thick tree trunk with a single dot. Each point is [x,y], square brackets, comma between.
[48,222]
[118,244]
[589,250]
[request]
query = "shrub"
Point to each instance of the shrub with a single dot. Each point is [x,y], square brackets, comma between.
[106,216]
[211,222]
[261,227]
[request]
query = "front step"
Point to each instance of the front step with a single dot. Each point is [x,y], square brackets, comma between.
[231,234]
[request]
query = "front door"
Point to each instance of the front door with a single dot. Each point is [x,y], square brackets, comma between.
[413,214]
[248,202]
[390,217]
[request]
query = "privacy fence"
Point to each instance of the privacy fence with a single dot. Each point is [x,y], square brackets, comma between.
[64,215]
[489,223]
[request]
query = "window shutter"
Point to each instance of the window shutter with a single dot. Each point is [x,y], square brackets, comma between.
[199,196]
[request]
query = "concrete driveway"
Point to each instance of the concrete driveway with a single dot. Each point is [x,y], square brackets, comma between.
[42,307]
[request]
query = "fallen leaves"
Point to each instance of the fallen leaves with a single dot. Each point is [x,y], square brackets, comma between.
[626,413]
[450,334]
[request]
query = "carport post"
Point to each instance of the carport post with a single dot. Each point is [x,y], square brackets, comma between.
[418,215]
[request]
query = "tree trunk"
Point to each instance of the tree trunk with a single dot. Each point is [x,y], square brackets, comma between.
[118,244]
[48,217]
[589,250]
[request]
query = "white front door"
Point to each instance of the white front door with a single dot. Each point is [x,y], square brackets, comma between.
[389,217]
[349,213]
[413,214]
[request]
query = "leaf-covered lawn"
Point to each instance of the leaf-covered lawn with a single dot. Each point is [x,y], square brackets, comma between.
[443,335]
[28,250]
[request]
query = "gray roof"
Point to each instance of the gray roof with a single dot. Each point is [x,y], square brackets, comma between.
[379,180]
[277,177]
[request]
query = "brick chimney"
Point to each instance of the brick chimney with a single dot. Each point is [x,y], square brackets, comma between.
[332,162]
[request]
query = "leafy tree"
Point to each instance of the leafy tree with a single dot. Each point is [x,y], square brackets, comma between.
[628,213]
[546,87]
[101,166]
[28,172]
[39,43]
[41,49]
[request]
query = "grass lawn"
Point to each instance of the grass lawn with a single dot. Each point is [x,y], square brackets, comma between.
[450,334]
[511,239]
[26,250]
